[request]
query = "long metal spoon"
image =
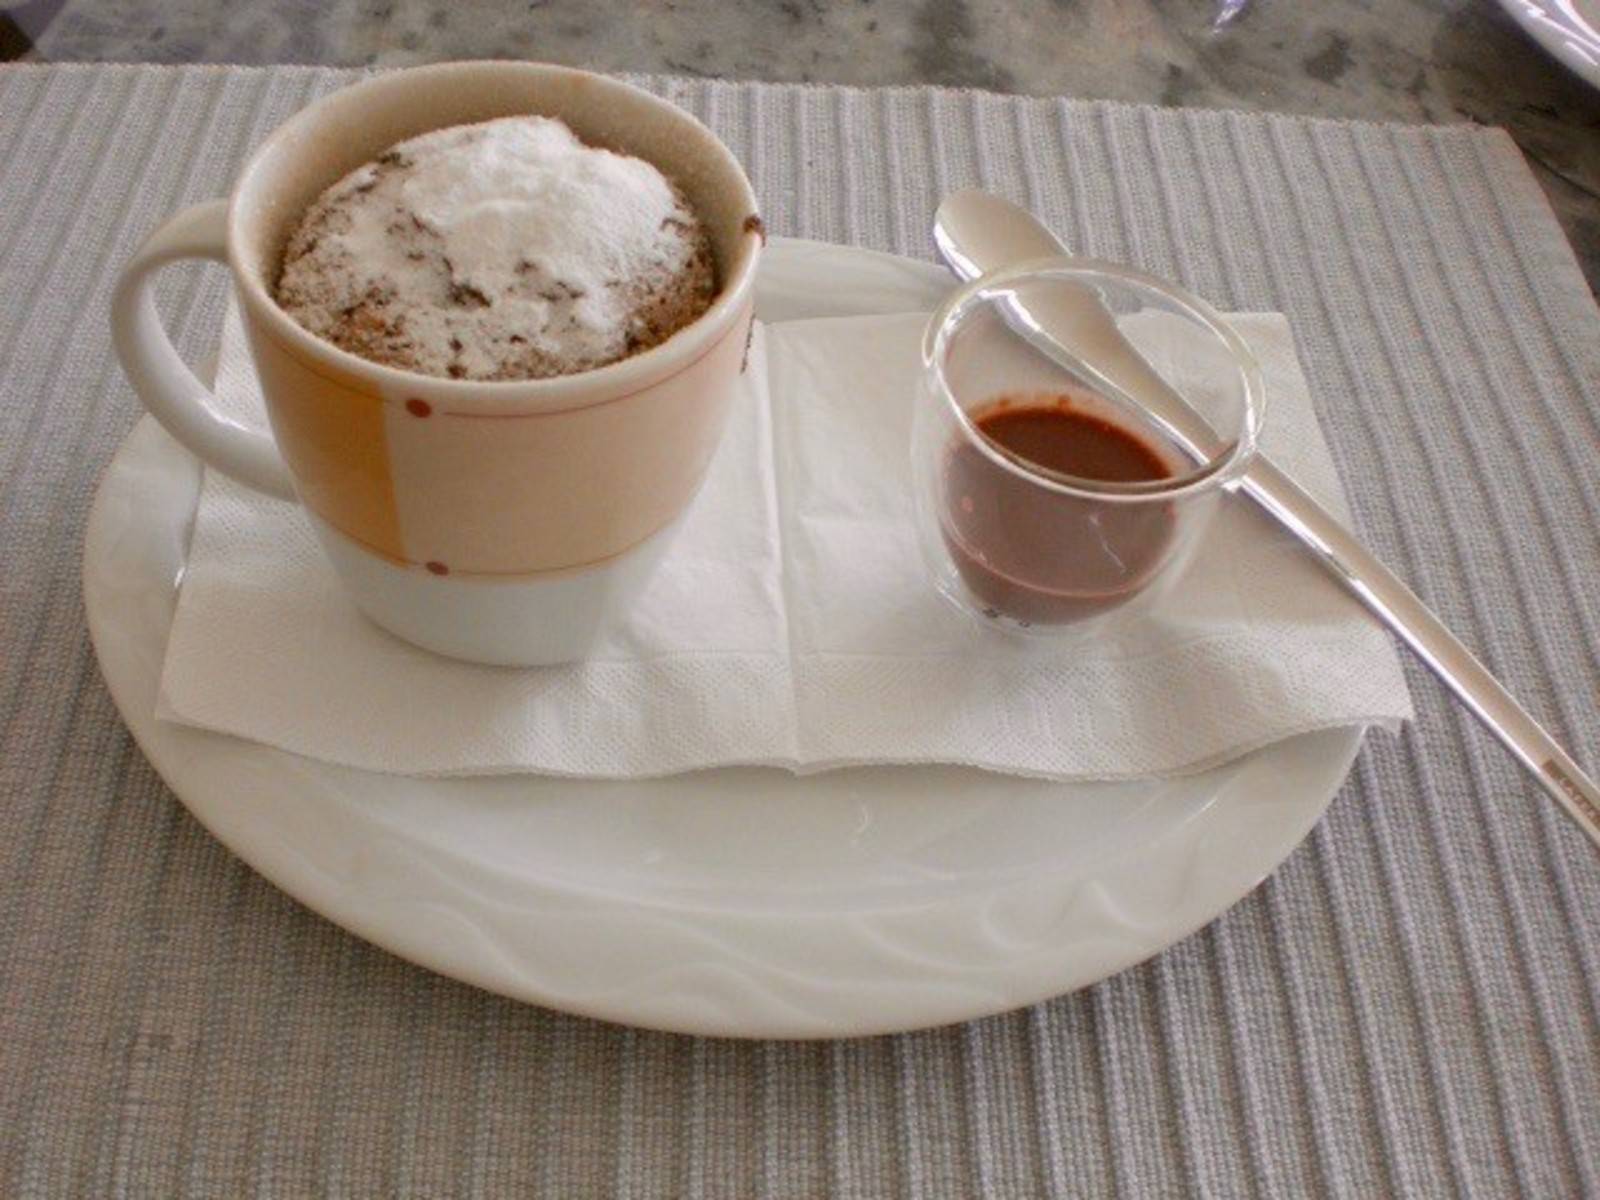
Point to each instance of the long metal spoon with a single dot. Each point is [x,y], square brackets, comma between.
[977,232]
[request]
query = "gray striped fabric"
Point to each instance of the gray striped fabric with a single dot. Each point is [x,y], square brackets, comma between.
[1411,1005]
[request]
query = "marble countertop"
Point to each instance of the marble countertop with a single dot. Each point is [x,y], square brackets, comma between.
[1386,60]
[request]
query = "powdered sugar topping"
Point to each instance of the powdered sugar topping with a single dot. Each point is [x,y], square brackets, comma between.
[473,249]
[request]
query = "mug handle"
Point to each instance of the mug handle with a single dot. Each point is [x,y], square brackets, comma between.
[165,385]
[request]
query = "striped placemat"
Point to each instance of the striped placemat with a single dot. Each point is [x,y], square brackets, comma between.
[1411,1005]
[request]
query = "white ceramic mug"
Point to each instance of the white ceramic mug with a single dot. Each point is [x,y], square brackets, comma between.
[503,522]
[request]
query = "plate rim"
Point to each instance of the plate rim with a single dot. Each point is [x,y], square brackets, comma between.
[183,756]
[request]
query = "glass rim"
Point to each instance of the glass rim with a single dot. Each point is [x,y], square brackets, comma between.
[1222,469]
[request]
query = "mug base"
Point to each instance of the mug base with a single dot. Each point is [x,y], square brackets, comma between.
[540,619]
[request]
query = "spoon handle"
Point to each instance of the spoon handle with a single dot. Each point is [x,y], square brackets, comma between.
[1061,336]
[1398,607]
[1081,338]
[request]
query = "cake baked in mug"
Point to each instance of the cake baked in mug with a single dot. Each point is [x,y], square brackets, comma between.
[499,314]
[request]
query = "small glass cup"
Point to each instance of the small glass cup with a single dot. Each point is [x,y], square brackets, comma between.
[1032,548]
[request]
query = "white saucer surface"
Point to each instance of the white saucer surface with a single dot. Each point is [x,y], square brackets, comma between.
[746,903]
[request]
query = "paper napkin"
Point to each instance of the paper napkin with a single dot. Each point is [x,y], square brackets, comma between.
[792,624]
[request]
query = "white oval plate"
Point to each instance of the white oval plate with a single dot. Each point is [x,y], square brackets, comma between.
[1568,29]
[746,903]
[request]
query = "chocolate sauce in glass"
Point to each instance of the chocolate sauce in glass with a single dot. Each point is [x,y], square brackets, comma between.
[1036,555]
